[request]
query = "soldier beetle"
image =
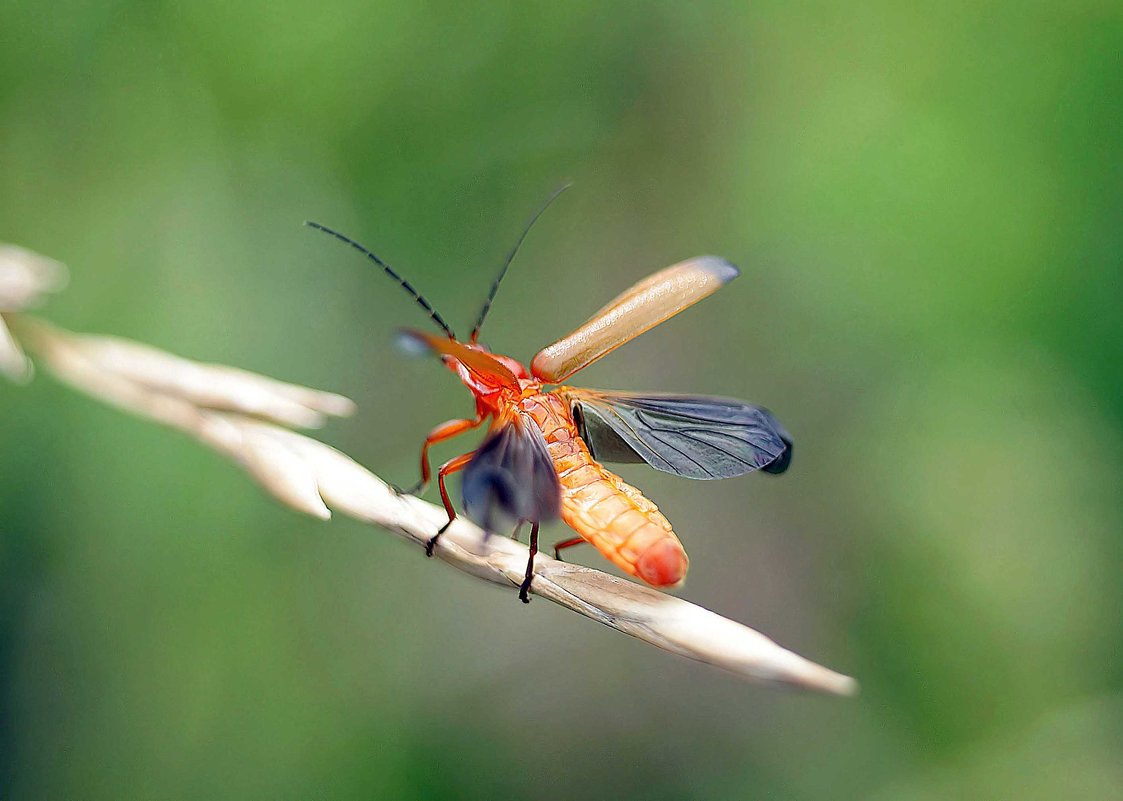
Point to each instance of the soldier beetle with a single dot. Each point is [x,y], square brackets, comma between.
[543,452]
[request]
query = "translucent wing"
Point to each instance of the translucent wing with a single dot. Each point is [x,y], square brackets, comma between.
[688,435]
[640,308]
[511,478]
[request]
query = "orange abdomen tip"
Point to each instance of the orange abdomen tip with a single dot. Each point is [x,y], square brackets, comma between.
[664,564]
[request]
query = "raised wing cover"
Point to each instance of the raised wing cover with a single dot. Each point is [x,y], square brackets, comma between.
[639,309]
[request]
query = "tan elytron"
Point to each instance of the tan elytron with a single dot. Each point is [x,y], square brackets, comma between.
[606,511]
[639,309]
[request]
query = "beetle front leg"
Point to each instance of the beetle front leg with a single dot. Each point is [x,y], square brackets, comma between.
[449,467]
[446,430]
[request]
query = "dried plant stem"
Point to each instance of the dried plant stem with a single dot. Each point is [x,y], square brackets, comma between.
[663,620]
[242,416]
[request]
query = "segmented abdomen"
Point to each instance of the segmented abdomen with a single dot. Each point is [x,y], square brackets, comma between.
[600,506]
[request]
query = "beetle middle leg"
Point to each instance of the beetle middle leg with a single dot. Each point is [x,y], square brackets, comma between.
[449,467]
[524,588]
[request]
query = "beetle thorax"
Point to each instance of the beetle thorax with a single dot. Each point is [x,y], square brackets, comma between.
[492,391]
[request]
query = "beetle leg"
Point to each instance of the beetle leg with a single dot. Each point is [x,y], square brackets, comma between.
[561,546]
[451,466]
[524,588]
[446,430]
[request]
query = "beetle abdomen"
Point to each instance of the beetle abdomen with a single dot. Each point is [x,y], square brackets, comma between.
[622,524]
[611,514]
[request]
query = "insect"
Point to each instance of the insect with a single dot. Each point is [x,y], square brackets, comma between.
[546,441]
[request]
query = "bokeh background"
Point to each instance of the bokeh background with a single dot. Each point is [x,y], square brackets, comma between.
[926,201]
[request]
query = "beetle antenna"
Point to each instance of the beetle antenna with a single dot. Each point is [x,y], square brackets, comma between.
[433,315]
[511,257]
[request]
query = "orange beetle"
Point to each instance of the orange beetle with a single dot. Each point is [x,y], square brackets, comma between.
[542,456]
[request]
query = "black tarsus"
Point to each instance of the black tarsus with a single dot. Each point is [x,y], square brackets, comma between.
[511,257]
[524,588]
[431,543]
[421,301]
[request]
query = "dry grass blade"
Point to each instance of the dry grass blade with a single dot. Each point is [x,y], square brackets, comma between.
[663,620]
[104,359]
[213,386]
[13,363]
[24,278]
[85,363]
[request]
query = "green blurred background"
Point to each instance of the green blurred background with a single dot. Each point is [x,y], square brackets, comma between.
[926,202]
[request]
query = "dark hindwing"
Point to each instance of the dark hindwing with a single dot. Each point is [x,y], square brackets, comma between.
[693,436]
[511,478]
